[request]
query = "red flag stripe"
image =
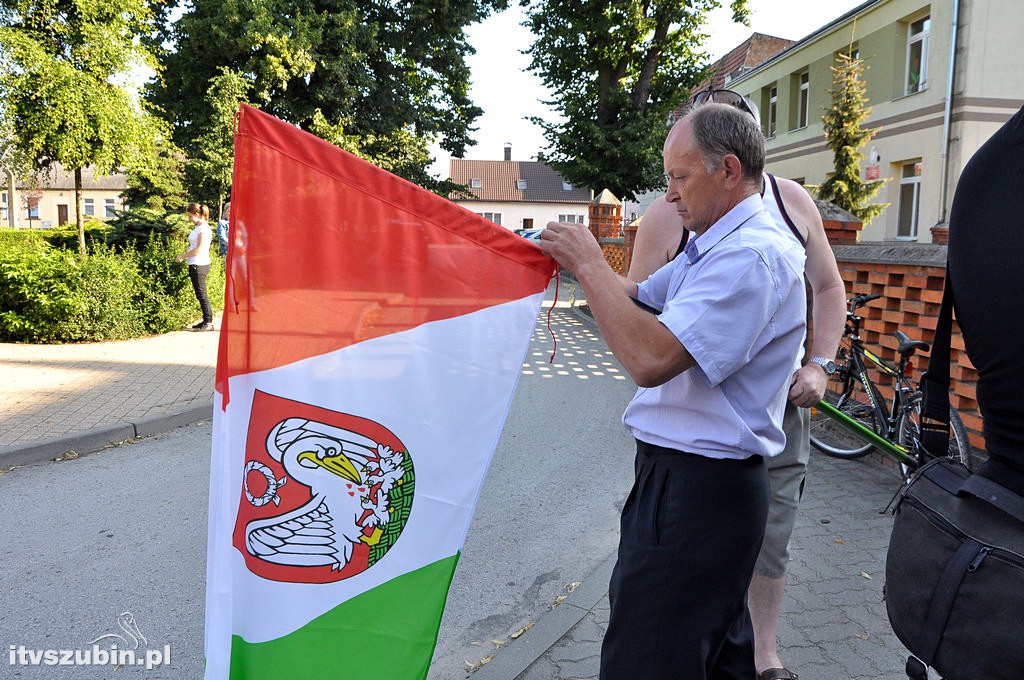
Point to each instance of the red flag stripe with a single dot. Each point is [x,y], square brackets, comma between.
[328,250]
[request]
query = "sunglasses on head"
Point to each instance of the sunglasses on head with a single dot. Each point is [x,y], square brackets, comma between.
[734,99]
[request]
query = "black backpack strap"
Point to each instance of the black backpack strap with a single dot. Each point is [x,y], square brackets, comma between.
[935,381]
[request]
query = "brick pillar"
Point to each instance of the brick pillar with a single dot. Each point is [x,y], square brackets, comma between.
[630,233]
[606,216]
[841,227]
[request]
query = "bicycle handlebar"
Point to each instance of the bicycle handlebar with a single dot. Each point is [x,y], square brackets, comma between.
[863,299]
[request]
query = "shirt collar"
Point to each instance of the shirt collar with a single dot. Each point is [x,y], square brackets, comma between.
[696,248]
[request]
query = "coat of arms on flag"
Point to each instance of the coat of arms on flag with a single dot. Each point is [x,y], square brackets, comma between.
[325,494]
[372,340]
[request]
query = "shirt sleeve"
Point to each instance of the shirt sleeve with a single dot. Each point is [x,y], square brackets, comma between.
[653,291]
[723,312]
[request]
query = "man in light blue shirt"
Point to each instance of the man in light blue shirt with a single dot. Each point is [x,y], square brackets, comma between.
[714,369]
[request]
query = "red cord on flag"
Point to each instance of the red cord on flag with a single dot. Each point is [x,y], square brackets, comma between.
[554,340]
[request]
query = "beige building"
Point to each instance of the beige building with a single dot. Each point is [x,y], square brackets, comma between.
[51,203]
[519,194]
[941,77]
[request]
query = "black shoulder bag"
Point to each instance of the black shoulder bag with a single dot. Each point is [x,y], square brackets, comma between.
[954,571]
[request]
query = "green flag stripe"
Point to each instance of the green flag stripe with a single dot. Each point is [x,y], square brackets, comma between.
[387,633]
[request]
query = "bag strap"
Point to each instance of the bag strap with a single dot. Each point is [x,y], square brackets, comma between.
[942,600]
[955,479]
[935,381]
[994,494]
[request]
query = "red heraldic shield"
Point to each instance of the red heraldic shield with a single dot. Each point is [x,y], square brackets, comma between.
[325,494]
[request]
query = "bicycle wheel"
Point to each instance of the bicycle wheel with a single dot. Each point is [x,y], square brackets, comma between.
[830,437]
[909,434]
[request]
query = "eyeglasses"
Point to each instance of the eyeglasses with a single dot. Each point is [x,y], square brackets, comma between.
[734,99]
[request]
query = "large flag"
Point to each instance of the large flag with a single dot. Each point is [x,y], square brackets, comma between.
[373,336]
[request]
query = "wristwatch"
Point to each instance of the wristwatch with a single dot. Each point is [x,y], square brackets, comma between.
[827,365]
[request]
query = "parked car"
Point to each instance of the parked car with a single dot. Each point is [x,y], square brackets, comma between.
[531,234]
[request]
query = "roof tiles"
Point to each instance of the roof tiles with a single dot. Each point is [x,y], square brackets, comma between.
[499,182]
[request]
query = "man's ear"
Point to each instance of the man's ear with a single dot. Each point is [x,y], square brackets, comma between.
[733,168]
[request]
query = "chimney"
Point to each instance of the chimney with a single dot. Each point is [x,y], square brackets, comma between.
[508,151]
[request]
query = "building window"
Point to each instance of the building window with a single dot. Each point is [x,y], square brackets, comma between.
[475,183]
[910,197]
[803,108]
[492,216]
[917,55]
[108,208]
[773,110]
[88,207]
[521,184]
[566,186]
[572,219]
[527,223]
[33,208]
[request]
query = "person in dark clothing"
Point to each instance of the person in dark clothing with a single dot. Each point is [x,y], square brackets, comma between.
[986,243]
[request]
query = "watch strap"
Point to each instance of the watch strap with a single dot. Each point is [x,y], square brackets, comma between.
[828,365]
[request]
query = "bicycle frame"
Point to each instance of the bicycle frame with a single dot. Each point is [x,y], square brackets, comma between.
[900,453]
[886,415]
[891,416]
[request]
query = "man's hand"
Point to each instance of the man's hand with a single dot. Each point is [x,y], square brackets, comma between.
[572,245]
[808,385]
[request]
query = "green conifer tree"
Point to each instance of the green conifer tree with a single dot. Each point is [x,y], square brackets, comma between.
[845,135]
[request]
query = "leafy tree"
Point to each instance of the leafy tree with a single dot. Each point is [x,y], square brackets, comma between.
[845,135]
[155,179]
[58,83]
[383,78]
[209,168]
[618,68]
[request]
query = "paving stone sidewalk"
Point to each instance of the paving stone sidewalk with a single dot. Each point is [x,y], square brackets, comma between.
[833,625]
[54,398]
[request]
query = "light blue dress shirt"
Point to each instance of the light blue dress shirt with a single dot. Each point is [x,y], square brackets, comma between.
[736,301]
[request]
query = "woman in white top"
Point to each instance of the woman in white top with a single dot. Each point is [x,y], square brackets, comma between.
[198,258]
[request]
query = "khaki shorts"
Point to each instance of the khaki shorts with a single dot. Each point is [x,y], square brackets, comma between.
[786,473]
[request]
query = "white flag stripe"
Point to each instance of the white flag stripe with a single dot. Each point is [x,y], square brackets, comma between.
[443,388]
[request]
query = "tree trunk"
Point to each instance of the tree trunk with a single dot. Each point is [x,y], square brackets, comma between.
[12,200]
[78,211]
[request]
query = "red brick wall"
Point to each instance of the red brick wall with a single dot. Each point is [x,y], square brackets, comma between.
[616,255]
[630,233]
[910,300]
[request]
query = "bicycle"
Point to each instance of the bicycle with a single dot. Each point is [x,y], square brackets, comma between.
[867,419]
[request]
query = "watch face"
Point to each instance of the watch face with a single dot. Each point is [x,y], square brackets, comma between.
[827,365]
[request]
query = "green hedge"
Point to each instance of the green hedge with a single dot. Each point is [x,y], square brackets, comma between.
[52,294]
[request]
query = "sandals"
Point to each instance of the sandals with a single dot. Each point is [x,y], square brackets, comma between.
[777,674]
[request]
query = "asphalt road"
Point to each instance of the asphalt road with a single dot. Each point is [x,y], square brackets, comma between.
[124,531]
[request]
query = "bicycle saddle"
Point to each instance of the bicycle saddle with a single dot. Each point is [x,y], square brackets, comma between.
[908,345]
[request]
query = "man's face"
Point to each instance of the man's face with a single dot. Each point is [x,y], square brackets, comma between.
[699,196]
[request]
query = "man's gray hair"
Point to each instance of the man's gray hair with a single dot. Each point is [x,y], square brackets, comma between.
[720,129]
